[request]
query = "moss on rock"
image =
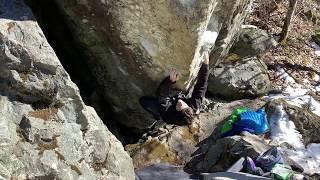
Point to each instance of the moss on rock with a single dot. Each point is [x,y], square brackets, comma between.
[154,151]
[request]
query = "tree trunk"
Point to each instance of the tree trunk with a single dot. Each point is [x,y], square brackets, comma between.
[289,17]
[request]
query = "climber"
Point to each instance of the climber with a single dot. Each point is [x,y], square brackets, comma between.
[174,106]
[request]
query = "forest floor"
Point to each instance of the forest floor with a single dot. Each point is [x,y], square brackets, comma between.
[297,56]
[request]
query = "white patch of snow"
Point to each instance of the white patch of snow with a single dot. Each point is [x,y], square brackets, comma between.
[316,78]
[298,90]
[314,149]
[208,38]
[305,159]
[284,75]
[293,88]
[284,130]
[298,100]
[306,81]
[305,100]
[316,48]
[248,26]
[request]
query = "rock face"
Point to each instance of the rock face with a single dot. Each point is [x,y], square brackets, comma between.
[226,151]
[176,145]
[46,131]
[162,172]
[246,78]
[252,41]
[306,122]
[228,17]
[133,44]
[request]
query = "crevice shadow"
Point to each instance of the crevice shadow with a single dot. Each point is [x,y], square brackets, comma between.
[15,10]
[203,147]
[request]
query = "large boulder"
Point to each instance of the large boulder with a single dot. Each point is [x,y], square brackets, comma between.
[46,131]
[247,78]
[132,45]
[226,151]
[227,17]
[176,145]
[252,41]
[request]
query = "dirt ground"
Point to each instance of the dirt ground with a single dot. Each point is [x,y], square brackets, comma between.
[297,56]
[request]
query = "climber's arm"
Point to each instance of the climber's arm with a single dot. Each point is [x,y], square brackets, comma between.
[200,88]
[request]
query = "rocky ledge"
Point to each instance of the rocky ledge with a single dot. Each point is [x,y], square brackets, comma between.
[46,131]
[177,145]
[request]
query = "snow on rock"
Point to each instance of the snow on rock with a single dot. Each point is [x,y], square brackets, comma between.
[305,100]
[300,100]
[209,38]
[316,48]
[314,149]
[284,130]
[293,88]
[295,94]
[305,159]
[316,78]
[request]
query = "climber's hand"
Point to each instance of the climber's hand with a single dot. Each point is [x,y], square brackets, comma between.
[174,76]
[206,57]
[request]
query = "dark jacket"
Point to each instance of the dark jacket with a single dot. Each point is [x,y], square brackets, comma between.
[168,96]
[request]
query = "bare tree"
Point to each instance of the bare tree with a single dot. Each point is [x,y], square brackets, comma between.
[287,22]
